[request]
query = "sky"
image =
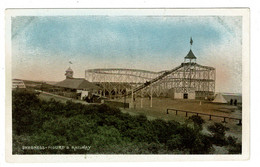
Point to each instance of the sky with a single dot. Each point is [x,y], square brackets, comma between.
[42,46]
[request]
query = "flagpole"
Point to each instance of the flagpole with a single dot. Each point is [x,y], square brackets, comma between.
[191,41]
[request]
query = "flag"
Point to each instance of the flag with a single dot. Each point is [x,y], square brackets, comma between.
[70,62]
[191,41]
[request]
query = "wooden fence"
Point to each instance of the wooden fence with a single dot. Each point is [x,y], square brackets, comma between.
[210,115]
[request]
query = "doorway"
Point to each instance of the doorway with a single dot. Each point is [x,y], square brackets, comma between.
[185,96]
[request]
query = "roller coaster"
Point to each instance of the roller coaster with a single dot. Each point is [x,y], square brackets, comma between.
[189,80]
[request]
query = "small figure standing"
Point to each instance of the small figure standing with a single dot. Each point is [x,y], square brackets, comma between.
[231,102]
[235,102]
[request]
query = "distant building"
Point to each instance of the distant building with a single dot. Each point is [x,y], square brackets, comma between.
[79,86]
[17,83]
[227,98]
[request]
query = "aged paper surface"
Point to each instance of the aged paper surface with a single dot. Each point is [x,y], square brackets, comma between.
[139,84]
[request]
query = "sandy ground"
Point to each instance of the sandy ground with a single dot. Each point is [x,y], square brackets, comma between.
[160,105]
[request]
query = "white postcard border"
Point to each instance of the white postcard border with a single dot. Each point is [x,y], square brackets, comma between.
[244,12]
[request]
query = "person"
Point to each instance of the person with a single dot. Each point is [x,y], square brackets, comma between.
[231,102]
[235,102]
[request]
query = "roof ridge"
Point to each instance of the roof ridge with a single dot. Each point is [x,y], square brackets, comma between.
[78,78]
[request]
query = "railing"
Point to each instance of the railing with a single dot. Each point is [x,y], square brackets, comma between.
[210,115]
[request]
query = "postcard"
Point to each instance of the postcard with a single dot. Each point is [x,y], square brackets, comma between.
[127,84]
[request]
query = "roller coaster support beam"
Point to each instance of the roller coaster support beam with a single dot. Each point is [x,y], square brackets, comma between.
[151,101]
[142,98]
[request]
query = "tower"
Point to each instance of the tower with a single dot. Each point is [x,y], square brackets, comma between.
[190,58]
[69,73]
[189,73]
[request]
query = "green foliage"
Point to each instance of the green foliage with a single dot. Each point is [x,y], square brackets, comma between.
[174,142]
[105,129]
[233,146]
[197,122]
[235,149]
[194,141]
[19,142]
[23,104]
[218,138]
[231,140]
[218,131]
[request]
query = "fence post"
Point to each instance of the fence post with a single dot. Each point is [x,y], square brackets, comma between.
[176,112]
[224,121]
[186,114]
[167,112]
[210,117]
